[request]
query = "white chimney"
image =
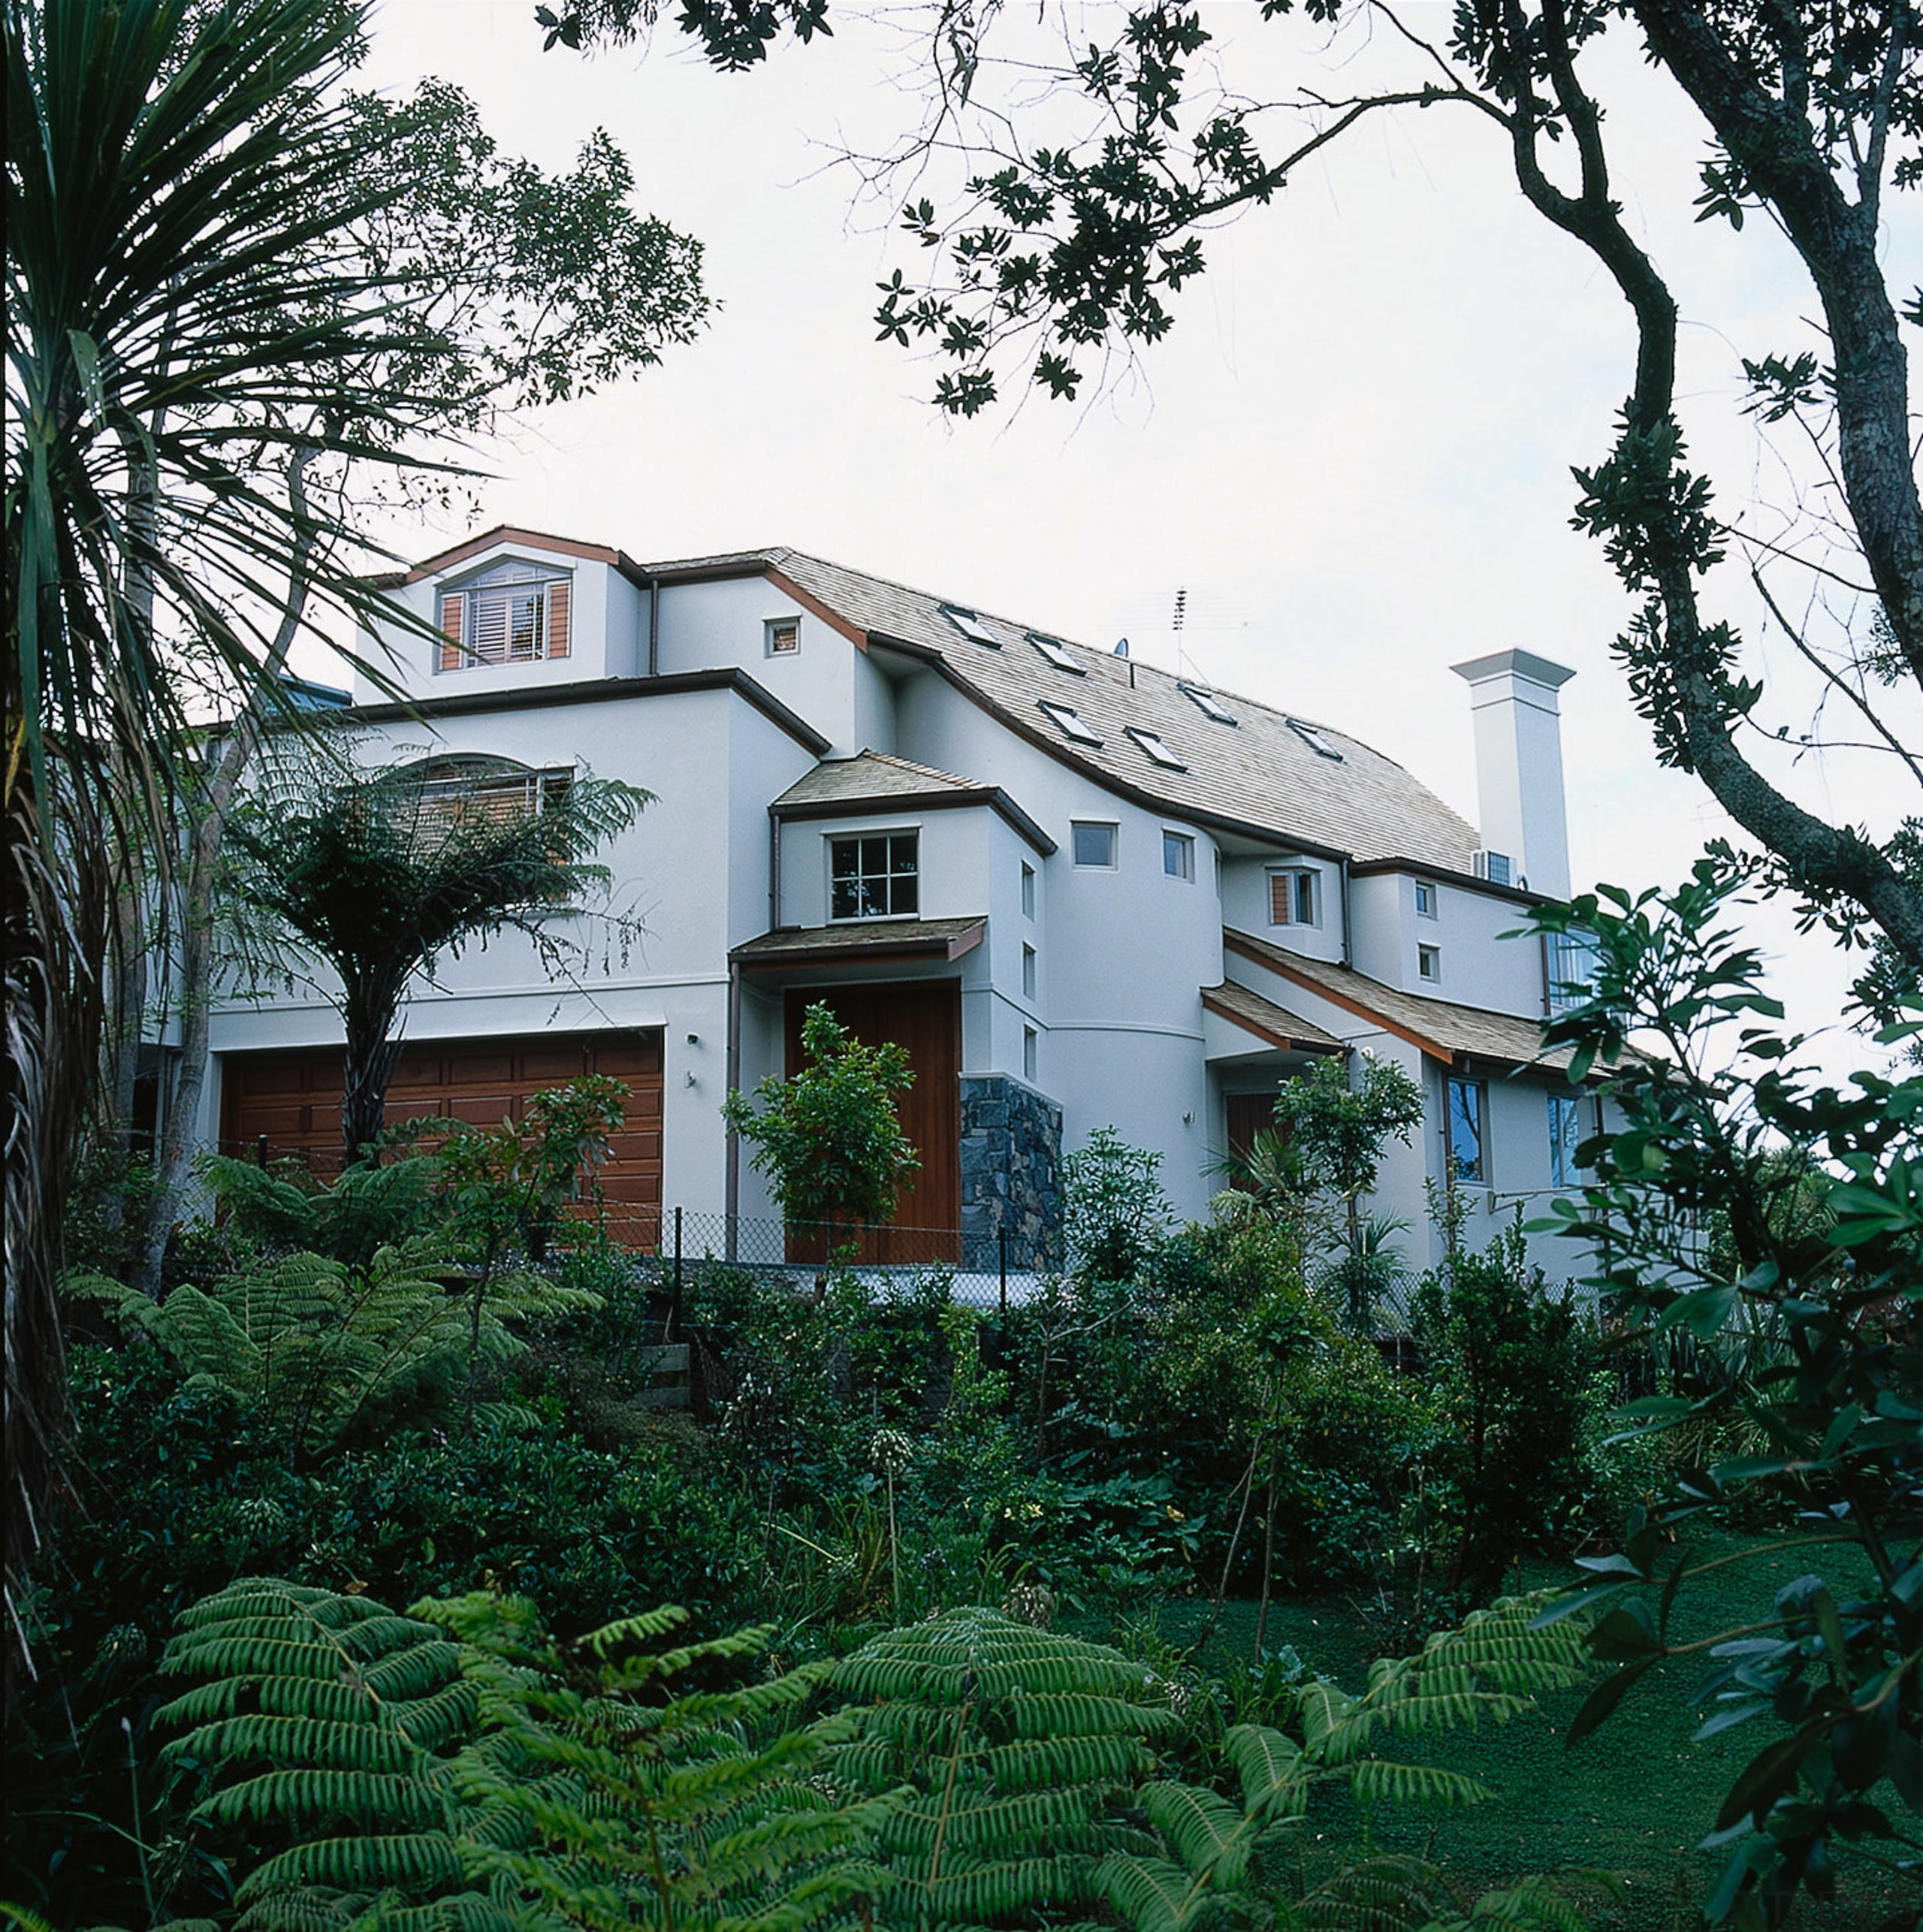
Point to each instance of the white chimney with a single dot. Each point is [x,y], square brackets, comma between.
[1519,769]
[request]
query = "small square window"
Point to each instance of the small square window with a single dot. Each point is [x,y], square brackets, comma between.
[1425,899]
[1293,896]
[1429,962]
[1469,1156]
[784,637]
[1027,972]
[1030,1042]
[876,876]
[1177,855]
[1068,722]
[1094,844]
[1495,867]
[1028,890]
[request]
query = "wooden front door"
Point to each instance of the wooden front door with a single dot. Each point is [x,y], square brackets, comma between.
[924,1017]
[291,1101]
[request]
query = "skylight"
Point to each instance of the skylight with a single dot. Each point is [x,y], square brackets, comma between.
[1153,745]
[970,627]
[1207,703]
[1056,653]
[1312,736]
[1069,723]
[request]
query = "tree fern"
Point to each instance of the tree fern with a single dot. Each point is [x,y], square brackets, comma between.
[458,1768]
[1013,1747]
[317,1344]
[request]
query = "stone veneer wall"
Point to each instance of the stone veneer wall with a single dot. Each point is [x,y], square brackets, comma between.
[1011,1172]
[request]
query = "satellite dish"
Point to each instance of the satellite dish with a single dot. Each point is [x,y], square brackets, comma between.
[1121,649]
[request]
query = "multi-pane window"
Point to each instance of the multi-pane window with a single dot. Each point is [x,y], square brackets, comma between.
[1571,1118]
[1177,855]
[875,877]
[1467,1111]
[1093,844]
[1569,964]
[514,614]
[1292,896]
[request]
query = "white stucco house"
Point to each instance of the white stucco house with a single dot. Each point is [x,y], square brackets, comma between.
[1082,891]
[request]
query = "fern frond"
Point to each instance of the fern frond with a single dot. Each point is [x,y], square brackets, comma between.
[1211,1840]
[1381,1778]
[1389,1893]
[1269,1766]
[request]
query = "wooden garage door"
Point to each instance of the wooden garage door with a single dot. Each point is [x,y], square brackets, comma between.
[924,1017]
[292,1101]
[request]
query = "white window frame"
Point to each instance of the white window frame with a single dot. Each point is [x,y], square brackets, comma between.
[1428,899]
[1299,877]
[1180,845]
[1480,1178]
[508,579]
[773,628]
[1031,971]
[1028,890]
[1428,964]
[1031,1040]
[890,874]
[1111,827]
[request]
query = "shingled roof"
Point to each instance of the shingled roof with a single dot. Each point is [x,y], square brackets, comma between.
[1263,772]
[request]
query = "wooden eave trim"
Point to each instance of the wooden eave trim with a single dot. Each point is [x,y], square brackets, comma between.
[1287,1044]
[602,691]
[879,804]
[815,608]
[442,561]
[1416,869]
[1269,958]
[921,946]
[1160,804]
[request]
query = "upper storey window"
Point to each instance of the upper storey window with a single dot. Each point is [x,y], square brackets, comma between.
[874,877]
[514,614]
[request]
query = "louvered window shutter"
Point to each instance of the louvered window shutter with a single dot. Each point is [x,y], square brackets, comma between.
[1279,907]
[558,600]
[453,611]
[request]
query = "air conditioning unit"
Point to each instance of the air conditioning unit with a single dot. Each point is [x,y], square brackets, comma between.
[1496,867]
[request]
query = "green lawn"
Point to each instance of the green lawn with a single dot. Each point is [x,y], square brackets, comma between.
[1633,1799]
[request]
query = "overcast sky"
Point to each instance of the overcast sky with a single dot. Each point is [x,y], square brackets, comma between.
[1353,453]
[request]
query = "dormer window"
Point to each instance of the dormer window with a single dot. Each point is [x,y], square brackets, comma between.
[514,614]
[1067,720]
[970,627]
[1056,654]
[1153,746]
[1207,703]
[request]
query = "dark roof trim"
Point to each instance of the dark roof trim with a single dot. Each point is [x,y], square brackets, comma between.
[1516,895]
[813,605]
[1288,1043]
[1062,754]
[821,946]
[1273,960]
[603,691]
[883,803]
[444,560]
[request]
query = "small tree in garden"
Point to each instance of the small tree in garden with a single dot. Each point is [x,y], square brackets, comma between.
[830,1140]
[380,873]
[1327,1149]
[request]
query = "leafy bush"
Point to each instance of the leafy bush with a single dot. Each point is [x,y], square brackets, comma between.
[1509,1369]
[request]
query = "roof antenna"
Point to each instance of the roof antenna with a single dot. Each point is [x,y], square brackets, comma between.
[1180,610]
